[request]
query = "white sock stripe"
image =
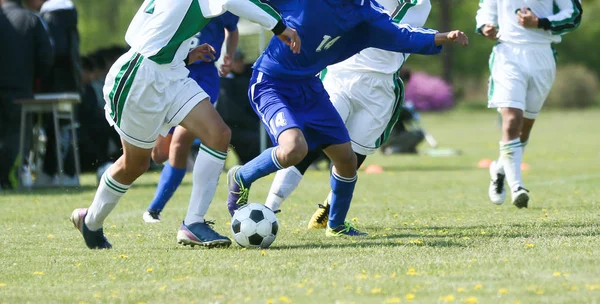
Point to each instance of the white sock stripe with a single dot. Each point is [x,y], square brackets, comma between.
[112,183]
[344,179]
[274,158]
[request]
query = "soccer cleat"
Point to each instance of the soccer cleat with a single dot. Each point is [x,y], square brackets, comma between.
[320,217]
[520,198]
[151,216]
[93,239]
[238,193]
[345,230]
[201,234]
[497,190]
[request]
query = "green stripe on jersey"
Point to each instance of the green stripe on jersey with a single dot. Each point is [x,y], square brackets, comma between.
[323,74]
[403,7]
[267,8]
[150,8]
[491,65]
[126,89]
[192,23]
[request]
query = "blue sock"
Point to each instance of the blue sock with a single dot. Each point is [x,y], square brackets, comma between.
[261,166]
[342,189]
[170,179]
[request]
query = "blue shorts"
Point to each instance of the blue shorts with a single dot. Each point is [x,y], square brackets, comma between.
[304,104]
[207,77]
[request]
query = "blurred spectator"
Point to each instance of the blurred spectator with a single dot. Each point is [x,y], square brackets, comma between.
[237,112]
[65,76]
[26,54]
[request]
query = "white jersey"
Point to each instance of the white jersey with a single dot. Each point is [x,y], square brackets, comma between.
[556,17]
[412,12]
[162,30]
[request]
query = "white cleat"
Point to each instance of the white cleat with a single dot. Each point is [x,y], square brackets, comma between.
[497,190]
[520,198]
[151,217]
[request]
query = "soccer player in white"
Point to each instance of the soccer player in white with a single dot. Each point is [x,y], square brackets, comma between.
[522,67]
[368,94]
[148,91]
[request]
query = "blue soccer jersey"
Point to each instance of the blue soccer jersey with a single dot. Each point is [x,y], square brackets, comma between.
[334,30]
[285,92]
[205,73]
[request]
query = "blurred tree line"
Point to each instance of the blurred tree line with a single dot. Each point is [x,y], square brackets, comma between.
[103,23]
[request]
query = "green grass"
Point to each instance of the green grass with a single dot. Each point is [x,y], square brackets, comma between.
[434,235]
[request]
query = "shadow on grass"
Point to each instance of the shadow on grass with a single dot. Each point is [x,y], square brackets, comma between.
[426,168]
[371,242]
[69,190]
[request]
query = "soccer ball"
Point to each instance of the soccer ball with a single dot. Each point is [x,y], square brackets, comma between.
[254,226]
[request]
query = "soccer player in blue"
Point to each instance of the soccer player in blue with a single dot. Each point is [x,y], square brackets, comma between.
[177,145]
[294,106]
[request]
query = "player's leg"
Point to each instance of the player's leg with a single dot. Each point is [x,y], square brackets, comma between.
[160,152]
[271,104]
[287,180]
[507,91]
[203,122]
[171,175]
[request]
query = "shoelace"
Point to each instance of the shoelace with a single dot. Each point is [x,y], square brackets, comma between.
[499,183]
[243,193]
[348,227]
[209,223]
[322,215]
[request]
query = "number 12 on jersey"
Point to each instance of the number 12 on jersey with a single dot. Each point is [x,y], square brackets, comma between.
[327,42]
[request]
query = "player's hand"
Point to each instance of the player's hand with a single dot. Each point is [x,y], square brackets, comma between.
[291,38]
[527,18]
[204,52]
[490,31]
[226,66]
[458,37]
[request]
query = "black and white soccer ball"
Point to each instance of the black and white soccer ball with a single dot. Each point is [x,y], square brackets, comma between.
[254,226]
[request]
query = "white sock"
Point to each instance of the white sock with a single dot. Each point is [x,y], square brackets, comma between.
[511,156]
[499,167]
[207,170]
[107,196]
[524,144]
[285,182]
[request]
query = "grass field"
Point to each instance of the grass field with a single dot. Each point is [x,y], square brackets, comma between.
[434,236]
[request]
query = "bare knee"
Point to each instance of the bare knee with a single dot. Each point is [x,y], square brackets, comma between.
[292,149]
[218,137]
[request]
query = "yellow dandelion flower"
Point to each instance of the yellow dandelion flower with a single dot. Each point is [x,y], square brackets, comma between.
[447,299]
[416,242]
[539,292]
[502,291]
[163,287]
[263,252]
[2,284]
[393,275]
[50,236]
[354,219]
[141,302]
[188,263]
[556,274]
[470,300]
[243,249]
[483,232]
[358,291]
[300,285]
[227,223]
[466,238]
[97,295]
[505,260]
[112,277]
[138,235]
[460,289]
[284,299]
[39,273]
[123,256]
[573,288]
[309,291]
[78,265]
[411,272]
[565,274]
[376,290]
[529,245]
[392,300]
[478,286]
[362,276]
[377,276]
[395,215]
[149,270]
[348,287]
[270,301]
[410,297]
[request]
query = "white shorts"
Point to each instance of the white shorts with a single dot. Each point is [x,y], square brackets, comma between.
[521,77]
[145,99]
[369,104]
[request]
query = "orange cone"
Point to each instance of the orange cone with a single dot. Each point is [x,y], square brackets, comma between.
[374,169]
[484,163]
[525,167]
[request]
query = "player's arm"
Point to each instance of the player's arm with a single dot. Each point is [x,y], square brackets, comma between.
[384,34]
[232,38]
[566,19]
[487,19]
[265,14]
